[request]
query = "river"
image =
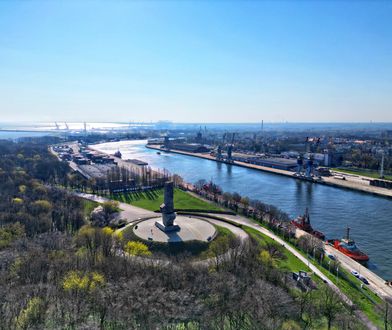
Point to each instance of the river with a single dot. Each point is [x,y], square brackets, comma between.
[331,209]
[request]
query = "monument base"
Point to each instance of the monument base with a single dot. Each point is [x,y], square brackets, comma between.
[161,226]
[191,229]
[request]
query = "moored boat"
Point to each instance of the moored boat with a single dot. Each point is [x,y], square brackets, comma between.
[303,223]
[348,247]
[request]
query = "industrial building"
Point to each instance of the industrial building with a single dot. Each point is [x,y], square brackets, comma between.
[95,171]
[279,163]
[287,164]
[189,147]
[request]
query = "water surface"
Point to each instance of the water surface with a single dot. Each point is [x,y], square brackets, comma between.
[331,209]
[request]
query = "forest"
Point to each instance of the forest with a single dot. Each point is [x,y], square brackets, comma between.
[57,271]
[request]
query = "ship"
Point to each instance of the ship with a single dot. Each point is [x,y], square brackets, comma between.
[303,223]
[348,247]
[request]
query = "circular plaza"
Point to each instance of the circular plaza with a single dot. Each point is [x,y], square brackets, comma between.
[190,229]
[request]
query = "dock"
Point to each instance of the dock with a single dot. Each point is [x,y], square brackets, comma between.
[348,183]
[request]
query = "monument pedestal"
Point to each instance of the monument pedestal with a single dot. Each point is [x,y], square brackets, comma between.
[161,226]
[167,210]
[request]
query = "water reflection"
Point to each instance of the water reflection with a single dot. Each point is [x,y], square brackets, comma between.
[331,209]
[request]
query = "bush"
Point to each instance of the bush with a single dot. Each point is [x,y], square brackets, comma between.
[110,207]
[137,249]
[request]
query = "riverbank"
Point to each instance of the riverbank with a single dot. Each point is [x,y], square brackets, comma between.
[350,297]
[376,283]
[348,183]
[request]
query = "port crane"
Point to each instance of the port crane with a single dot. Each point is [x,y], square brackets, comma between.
[57,126]
[230,149]
[219,155]
[311,145]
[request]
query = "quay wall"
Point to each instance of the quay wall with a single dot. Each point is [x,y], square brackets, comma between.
[330,181]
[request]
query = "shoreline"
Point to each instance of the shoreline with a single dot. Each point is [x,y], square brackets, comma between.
[329,181]
[377,282]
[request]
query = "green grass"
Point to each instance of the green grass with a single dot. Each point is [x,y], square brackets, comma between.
[290,262]
[363,298]
[363,172]
[88,206]
[151,200]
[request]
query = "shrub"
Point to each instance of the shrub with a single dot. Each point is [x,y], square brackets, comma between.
[137,249]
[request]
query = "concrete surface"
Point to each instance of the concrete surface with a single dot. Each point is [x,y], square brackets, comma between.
[190,229]
[349,183]
[128,212]
[376,283]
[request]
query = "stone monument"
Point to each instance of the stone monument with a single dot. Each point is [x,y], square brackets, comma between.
[167,210]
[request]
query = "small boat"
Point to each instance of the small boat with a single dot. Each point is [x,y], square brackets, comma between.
[158,152]
[348,247]
[303,223]
[118,154]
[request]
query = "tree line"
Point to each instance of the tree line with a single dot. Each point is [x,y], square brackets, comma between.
[57,271]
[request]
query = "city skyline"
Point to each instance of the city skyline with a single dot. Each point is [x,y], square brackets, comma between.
[196,61]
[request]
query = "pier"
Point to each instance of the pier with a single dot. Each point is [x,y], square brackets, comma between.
[330,181]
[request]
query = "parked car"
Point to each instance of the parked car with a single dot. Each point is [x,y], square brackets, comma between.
[331,256]
[355,273]
[364,280]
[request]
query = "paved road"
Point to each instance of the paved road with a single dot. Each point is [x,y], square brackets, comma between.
[349,183]
[235,230]
[314,269]
[129,212]
[376,283]
[132,213]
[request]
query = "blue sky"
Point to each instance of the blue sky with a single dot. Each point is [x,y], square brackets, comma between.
[202,61]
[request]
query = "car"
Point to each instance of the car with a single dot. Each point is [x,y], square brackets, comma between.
[331,256]
[364,280]
[355,273]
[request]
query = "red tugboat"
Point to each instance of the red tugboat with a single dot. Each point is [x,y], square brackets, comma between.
[303,223]
[349,248]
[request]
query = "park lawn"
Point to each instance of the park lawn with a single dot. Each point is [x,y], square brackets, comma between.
[364,299]
[151,200]
[363,172]
[291,262]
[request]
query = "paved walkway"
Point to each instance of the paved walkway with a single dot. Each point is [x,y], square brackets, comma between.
[376,283]
[129,212]
[133,213]
[313,268]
